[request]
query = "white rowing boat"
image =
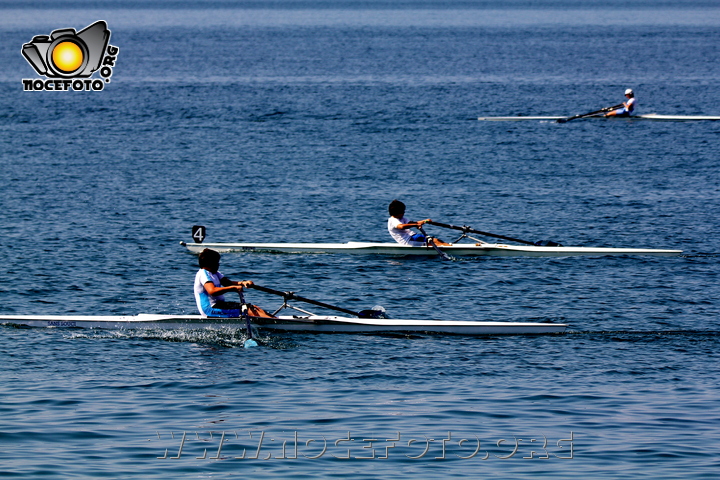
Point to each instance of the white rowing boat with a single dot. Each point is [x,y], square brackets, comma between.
[289,323]
[370,248]
[650,116]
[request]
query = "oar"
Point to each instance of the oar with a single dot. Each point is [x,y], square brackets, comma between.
[430,241]
[602,110]
[291,296]
[466,229]
[249,341]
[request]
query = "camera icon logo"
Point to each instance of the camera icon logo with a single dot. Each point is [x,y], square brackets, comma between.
[66,53]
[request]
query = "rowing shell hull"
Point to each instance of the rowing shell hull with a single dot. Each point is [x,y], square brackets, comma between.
[366,248]
[651,116]
[314,323]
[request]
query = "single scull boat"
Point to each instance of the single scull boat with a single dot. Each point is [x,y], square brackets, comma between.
[651,116]
[286,323]
[370,248]
[365,321]
[526,248]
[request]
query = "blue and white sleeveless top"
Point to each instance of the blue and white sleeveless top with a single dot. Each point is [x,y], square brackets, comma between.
[204,300]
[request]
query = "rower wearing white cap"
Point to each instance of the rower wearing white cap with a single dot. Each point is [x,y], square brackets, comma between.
[628,107]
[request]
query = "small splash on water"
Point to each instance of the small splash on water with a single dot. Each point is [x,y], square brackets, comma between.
[223,337]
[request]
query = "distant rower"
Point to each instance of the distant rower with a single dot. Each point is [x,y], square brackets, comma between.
[628,107]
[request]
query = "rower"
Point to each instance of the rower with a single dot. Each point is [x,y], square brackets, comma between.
[628,107]
[211,285]
[399,228]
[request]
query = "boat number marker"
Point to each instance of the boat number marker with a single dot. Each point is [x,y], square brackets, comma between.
[198,233]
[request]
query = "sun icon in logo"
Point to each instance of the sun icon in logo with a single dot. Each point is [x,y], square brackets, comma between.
[67,56]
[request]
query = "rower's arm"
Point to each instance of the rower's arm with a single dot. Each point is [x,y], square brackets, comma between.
[227,287]
[405,226]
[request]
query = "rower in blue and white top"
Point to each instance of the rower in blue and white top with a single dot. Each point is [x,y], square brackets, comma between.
[399,228]
[628,106]
[211,285]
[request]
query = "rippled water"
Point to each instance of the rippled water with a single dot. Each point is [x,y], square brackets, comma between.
[300,122]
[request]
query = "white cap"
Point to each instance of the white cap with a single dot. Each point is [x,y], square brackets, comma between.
[628,91]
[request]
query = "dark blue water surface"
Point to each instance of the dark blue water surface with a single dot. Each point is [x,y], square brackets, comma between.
[300,121]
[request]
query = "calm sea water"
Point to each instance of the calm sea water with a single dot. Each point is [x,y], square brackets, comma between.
[301,121]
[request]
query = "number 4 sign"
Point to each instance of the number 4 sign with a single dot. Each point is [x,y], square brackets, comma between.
[198,233]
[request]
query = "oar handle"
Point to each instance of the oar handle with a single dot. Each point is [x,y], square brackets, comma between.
[479,232]
[249,342]
[602,110]
[606,109]
[292,296]
[431,242]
